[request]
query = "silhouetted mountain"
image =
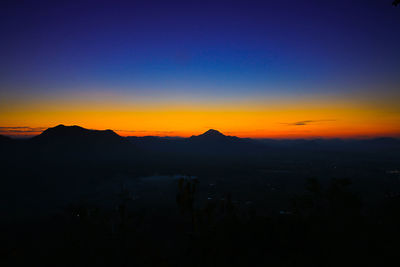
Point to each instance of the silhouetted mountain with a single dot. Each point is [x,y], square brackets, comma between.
[74,142]
[213,142]
[77,134]
[214,136]
[211,134]
[66,140]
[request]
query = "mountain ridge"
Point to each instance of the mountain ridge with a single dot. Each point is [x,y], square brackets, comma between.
[78,137]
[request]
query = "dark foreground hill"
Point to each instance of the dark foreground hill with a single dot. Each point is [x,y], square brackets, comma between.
[79,197]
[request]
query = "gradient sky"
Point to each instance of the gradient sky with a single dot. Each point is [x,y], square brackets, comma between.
[277,69]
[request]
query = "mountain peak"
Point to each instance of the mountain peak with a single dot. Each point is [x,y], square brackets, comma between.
[62,129]
[212,133]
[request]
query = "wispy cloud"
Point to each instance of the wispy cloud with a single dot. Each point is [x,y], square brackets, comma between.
[306,122]
[22,129]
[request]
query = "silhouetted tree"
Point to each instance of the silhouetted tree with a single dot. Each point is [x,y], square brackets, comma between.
[396,2]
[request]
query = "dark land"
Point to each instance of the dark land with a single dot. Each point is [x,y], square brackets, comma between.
[77,197]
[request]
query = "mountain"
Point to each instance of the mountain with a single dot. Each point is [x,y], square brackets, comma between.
[214,136]
[76,134]
[77,142]
[215,143]
[80,142]
[211,142]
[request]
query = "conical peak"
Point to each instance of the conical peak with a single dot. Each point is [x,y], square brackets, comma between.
[212,132]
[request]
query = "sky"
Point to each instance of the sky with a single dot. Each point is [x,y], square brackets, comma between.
[261,69]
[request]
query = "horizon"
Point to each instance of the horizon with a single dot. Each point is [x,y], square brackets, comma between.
[162,69]
[29,133]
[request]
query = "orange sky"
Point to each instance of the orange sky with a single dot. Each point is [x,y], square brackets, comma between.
[326,117]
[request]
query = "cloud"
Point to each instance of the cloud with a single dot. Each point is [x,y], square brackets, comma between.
[22,129]
[306,122]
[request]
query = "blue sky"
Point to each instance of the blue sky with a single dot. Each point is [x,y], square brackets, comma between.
[243,45]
